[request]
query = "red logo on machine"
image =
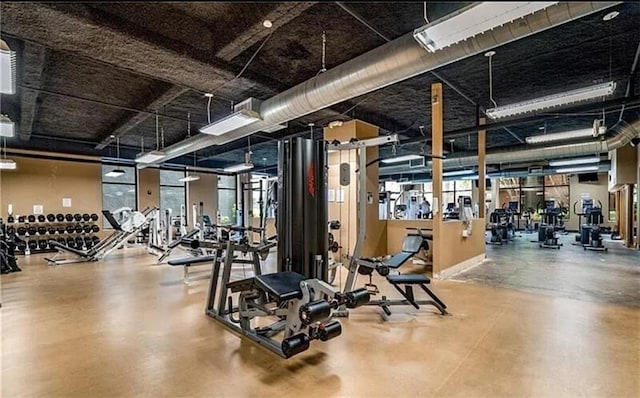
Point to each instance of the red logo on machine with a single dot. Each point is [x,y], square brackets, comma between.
[311,180]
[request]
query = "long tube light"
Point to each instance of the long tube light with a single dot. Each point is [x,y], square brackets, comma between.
[7,127]
[577,169]
[571,162]
[114,173]
[189,178]
[562,136]
[553,100]
[7,164]
[7,69]
[241,118]
[457,173]
[236,168]
[403,158]
[150,157]
[474,20]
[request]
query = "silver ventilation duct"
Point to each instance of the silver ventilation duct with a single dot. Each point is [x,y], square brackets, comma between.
[390,63]
[623,134]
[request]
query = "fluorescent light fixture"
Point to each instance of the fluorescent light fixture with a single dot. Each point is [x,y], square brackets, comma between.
[577,169]
[238,167]
[474,20]
[457,173]
[7,127]
[189,178]
[115,173]
[7,69]
[554,100]
[403,158]
[150,157]
[241,118]
[7,164]
[563,136]
[571,162]
[471,177]
[273,128]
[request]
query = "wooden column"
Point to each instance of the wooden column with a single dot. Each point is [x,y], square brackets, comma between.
[482,168]
[436,171]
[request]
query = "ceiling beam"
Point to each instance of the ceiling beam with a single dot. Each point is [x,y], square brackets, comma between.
[280,16]
[158,102]
[34,58]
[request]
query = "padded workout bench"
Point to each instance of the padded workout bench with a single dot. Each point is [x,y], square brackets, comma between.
[411,245]
[187,262]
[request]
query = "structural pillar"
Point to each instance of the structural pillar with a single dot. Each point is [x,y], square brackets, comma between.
[482,168]
[436,167]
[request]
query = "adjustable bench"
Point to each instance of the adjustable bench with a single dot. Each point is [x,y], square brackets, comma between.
[411,245]
[187,262]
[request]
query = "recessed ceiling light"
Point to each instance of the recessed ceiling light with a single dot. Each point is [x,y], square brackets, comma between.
[112,136]
[267,24]
[610,16]
[490,53]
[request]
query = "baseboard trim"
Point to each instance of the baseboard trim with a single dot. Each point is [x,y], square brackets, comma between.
[463,266]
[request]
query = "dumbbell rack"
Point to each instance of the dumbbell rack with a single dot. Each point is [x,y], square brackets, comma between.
[36,234]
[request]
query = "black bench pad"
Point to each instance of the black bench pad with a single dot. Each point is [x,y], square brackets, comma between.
[282,286]
[191,260]
[409,279]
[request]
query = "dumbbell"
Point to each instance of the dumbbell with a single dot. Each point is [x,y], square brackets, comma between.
[71,242]
[61,229]
[62,240]
[31,218]
[20,218]
[51,217]
[60,217]
[51,230]
[32,230]
[86,217]
[88,243]
[79,242]
[94,217]
[22,246]
[95,240]
[42,230]
[42,244]
[95,228]
[78,228]
[21,231]
[86,228]
[42,218]
[77,217]
[33,244]
[11,230]
[68,217]
[70,229]
[10,219]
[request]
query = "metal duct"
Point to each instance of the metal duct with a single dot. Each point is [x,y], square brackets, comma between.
[390,63]
[624,133]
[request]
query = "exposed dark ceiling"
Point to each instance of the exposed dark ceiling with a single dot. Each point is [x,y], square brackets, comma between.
[90,70]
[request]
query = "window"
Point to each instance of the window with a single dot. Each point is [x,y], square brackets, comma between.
[173,193]
[227,199]
[118,192]
[259,185]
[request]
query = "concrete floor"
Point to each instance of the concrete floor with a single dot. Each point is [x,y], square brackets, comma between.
[607,277]
[126,327]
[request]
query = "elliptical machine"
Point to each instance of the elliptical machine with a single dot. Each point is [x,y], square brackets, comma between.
[593,230]
[498,228]
[547,230]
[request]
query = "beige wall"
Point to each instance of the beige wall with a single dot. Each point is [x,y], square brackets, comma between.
[397,231]
[148,188]
[596,191]
[204,190]
[45,182]
[450,248]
